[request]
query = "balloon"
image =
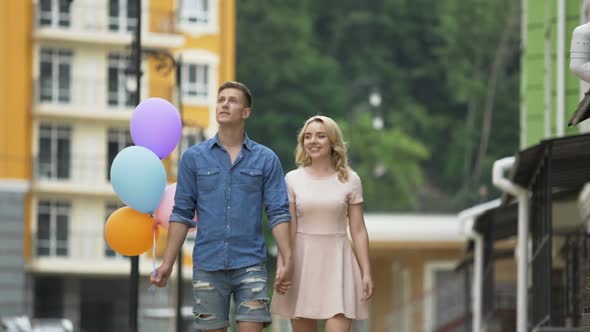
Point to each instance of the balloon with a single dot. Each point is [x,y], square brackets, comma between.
[129,232]
[165,208]
[138,177]
[156,125]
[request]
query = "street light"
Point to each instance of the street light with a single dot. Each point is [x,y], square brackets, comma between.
[375,101]
[166,63]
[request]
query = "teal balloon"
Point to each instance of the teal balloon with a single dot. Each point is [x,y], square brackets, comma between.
[138,178]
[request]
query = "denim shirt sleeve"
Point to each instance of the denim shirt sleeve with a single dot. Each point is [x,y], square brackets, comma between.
[186,192]
[275,192]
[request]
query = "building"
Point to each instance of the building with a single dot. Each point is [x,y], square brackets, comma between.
[539,225]
[68,101]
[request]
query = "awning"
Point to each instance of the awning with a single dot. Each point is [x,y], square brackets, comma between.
[569,159]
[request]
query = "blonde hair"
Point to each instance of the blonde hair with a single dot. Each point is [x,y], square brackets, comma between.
[339,151]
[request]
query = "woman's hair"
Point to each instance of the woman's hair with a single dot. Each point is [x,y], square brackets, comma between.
[338,155]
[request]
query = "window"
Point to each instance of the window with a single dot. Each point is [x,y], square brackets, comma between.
[55,75]
[195,12]
[52,228]
[118,139]
[195,81]
[110,208]
[54,151]
[190,137]
[123,15]
[55,13]
[118,94]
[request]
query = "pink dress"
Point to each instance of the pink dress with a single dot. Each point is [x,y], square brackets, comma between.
[326,275]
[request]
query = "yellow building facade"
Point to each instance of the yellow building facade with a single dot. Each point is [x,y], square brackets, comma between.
[67,100]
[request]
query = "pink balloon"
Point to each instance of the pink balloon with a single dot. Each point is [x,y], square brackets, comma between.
[165,208]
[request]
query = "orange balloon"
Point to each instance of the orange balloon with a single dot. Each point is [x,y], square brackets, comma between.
[129,232]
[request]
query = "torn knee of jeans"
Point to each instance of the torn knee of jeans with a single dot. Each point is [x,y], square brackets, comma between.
[254,304]
[203,285]
[205,316]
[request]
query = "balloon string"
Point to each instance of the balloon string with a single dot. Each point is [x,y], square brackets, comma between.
[154,251]
[154,245]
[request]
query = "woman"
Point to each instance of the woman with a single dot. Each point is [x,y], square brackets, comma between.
[325,196]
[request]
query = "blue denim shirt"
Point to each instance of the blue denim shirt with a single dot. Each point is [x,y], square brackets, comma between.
[229,200]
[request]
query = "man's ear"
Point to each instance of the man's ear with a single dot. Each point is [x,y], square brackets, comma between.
[246,112]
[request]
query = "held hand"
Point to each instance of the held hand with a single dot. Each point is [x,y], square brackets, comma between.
[367,287]
[283,277]
[161,275]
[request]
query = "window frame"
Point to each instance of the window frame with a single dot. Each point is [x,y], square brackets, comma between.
[54,209]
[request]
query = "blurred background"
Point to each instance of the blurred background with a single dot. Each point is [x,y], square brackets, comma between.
[429,95]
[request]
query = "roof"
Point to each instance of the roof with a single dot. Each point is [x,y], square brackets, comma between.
[501,222]
[568,157]
[384,227]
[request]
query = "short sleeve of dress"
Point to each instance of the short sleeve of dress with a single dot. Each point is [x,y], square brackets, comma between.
[290,191]
[356,193]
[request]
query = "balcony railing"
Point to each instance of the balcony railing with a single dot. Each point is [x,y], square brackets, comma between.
[86,95]
[84,241]
[80,16]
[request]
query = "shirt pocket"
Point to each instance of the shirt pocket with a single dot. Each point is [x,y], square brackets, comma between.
[250,179]
[207,179]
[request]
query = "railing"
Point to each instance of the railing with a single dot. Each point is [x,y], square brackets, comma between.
[85,241]
[83,95]
[81,16]
[541,259]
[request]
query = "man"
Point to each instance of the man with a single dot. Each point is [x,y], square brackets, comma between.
[227,180]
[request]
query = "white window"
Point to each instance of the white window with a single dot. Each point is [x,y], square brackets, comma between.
[118,139]
[55,75]
[53,228]
[118,94]
[110,208]
[190,137]
[54,13]
[195,81]
[195,12]
[123,15]
[54,151]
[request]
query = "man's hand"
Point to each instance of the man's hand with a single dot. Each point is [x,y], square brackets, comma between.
[283,276]
[161,275]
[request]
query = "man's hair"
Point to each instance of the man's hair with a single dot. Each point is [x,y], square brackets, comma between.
[239,86]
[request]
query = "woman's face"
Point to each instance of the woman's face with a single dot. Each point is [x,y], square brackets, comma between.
[316,142]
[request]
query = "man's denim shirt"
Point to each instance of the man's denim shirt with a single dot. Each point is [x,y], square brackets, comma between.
[229,201]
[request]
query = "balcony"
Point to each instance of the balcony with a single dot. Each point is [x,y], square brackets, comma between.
[93,99]
[85,248]
[99,24]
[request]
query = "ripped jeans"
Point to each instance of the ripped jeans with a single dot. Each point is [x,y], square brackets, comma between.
[212,291]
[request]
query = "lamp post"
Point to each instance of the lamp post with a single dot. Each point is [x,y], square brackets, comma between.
[166,63]
[375,101]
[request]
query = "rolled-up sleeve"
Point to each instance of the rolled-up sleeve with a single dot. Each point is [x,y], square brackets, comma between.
[185,199]
[275,192]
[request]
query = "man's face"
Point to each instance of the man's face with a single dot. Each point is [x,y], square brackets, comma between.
[231,107]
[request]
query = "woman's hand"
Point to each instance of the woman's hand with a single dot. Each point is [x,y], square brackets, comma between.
[367,287]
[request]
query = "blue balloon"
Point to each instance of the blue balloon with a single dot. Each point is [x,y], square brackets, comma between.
[139,179]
